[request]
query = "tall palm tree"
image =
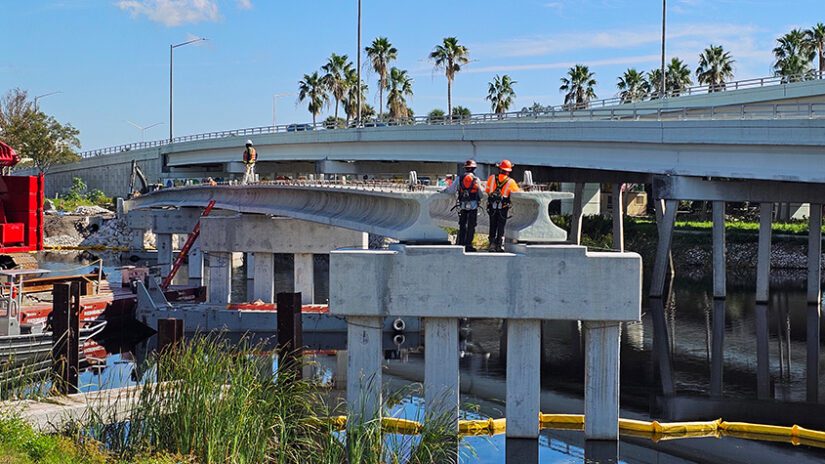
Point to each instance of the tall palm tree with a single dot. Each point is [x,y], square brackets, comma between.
[501,94]
[578,85]
[381,53]
[335,77]
[677,77]
[350,100]
[816,40]
[450,56]
[400,86]
[715,67]
[793,55]
[654,79]
[312,88]
[633,86]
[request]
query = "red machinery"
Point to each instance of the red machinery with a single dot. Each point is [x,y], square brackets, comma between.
[21,210]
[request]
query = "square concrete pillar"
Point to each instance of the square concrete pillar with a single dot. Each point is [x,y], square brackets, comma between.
[220,277]
[441,368]
[364,358]
[601,380]
[305,277]
[137,239]
[523,399]
[165,255]
[263,287]
[195,266]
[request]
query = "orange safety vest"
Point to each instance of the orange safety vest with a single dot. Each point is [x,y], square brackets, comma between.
[250,155]
[504,184]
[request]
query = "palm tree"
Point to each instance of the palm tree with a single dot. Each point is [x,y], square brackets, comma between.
[677,77]
[312,88]
[381,53]
[335,77]
[578,85]
[715,67]
[816,40]
[350,100]
[501,93]
[633,86]
[793,56]
[461,112]
[449,56]
[400,86]
[654,79]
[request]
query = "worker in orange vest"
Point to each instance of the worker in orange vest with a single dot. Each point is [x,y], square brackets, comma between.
[499,188]
[250,155]
[469,190]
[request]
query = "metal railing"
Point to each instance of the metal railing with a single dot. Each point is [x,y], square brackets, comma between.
[610,109]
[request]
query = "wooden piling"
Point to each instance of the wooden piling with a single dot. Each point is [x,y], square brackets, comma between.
[170,333]
[290,333]
[66,336]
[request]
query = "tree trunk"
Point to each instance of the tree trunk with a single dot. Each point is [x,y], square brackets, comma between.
[336,109]
[380,99]
[821,63]
[450,99]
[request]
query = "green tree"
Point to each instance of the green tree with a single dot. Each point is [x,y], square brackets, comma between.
[436,115]
[34,134]
[335,77]
[331,122]
[312,89]
[381,53]
[715,67]
[367,111]
[501,94]
[815,37]
[677,77]
[461,112]
[351,98]
[578,86]
[633,86]
[654,78]
[450,56]
[400,86]
[793,55]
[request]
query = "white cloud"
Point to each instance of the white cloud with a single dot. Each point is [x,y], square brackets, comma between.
[623,60]
[245,4]
[173,12]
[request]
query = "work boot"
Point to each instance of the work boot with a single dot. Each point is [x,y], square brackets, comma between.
[492,248]
[470,249]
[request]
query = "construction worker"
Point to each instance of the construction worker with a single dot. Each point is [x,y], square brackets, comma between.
[469,189]
[250,155]
[499,188]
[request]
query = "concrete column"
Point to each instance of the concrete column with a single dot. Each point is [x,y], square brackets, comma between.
[340,368]
[659,210]
[763,370]
[523,378]
[601,380]
[364,358]
[195,265]
[577,214]
[763,262]
[220,277]
[717,355]
[657,284]
[441,368]
[812,358]
[263,287]
[137,239]
[165,255]
[719,253]
[305,277]
[661,345]
[618,218]
[814,254]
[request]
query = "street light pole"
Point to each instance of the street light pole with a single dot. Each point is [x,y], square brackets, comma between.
[274,97]
[36,108]
[663,80]
[358,64]
[171,67]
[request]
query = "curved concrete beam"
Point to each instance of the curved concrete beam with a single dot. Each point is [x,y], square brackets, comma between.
[413,217]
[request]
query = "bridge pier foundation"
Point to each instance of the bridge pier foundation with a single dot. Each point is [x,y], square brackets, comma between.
[763,259]
[165,253]
[719,252]
[364,358]
[220,277]
[601,380]
[263,285]
[195,265]
[304,278]
[441,385]
[138,236]
[523,401]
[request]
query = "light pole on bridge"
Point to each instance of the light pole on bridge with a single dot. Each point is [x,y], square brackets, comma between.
[172,48]
[36,108]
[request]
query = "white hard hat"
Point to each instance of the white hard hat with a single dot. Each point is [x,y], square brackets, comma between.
[249,142]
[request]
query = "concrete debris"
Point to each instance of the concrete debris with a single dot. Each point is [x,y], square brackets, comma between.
[91,211]
[113,233]
[48,206]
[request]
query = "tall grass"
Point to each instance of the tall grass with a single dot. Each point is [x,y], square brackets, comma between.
[220,402]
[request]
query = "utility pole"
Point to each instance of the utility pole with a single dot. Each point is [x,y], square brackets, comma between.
[275,96]
[358,64]
[36,108]
[663,80]
[171,67]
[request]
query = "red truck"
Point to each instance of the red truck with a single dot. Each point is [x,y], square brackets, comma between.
[21,213]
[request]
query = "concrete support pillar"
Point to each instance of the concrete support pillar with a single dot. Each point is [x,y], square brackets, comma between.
[441,368]
[618,218]
[165,254]
[220,277]
[667,222]
[364,358]
[305,277]
[719,254]
[717,344]
[659,210]
[263,287]
[812,354]
[814,254]
[763,260]
[341,368]
[577,214]
[661,345]
[137,239]
[195,266]
[763,370]
[523,378]
[601,380]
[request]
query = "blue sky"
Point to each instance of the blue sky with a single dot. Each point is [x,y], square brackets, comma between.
[110,58]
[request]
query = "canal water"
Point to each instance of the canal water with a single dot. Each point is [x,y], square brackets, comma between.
[690,358]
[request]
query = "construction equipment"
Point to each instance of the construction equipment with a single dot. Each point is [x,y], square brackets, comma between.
[145,186]
[21,213]
[196,231]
